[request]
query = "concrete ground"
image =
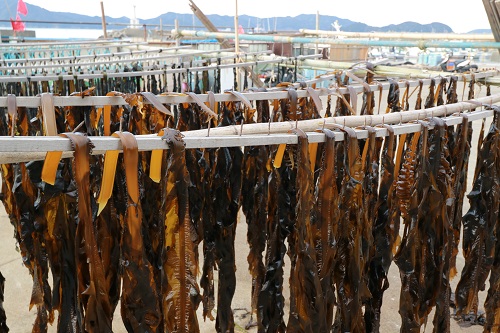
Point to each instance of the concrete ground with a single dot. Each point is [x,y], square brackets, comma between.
[18,281]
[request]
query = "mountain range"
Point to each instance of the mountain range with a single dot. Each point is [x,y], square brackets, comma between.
[186,21]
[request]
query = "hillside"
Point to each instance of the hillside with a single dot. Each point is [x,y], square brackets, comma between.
[186,21]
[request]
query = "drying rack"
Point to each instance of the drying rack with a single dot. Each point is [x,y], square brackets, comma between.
[80,70]
[25,148]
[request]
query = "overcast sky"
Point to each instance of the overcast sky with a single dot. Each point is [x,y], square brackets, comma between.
[461,16]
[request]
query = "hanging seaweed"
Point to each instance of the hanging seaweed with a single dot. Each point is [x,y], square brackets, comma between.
[139,302]
[479,230]
[368,95]
[418,102]
[393,104]
[254,202]
[385,233]
[181,292]
[226,190]
[307,309]
[324,220]
[280,224]
[348,277]
[430,100]
[424,188]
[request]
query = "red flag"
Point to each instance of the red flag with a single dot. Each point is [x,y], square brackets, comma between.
[21,8]
[17,25]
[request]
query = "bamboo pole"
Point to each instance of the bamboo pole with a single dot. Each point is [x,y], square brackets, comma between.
[422,44]
[24,149]
[400,35]
[173,98]
[103,18]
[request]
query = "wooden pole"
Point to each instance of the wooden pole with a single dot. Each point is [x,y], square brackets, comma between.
[177,37]
[237,45]
[103,17]
[224,43]
[31,148]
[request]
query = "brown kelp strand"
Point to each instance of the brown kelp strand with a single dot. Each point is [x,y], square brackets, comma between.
[208,221]
[421,257]
[206,162]
[430,99]
[144,118]
[492,303]
[324,221]
[418,101]
[348,277]
[271,302]
[181,292]
[254,199]
[226,189]
[3,318]
[98,309]
[445,237]
[393,104]
[139,301]
[307,309]
[280,222]
[191,118]
[368,95]
[30,225]
[479,228]
[385,232]
[341,108]
[459,157]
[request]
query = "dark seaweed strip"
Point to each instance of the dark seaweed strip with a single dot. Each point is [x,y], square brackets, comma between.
[182,292]
[208,221]
[254,203]
[190,118]
[385,232]
[139,303]
[341,108]
[393,97]
[107,224]
[30,225]
[422,254]
[492,304]
[3,317]
[405,258]
[459,163]
[271,302]
[418,102]
[440,90]
[307,309]
[371,165]
[98,315]
[445,237]
[479,237]
[328,111]
[368,95]
[226,189]
[429,101]
[349,282]
[324,219]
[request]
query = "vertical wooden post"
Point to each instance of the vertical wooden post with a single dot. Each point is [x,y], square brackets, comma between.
[237,45]
[103,21]
[177,37]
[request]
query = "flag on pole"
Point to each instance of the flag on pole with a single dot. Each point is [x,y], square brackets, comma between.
[17,25]
[21,8]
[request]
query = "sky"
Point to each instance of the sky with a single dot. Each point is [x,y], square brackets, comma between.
[461,18]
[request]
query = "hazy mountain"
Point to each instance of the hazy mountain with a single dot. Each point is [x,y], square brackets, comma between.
[186,21]
[480,31]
